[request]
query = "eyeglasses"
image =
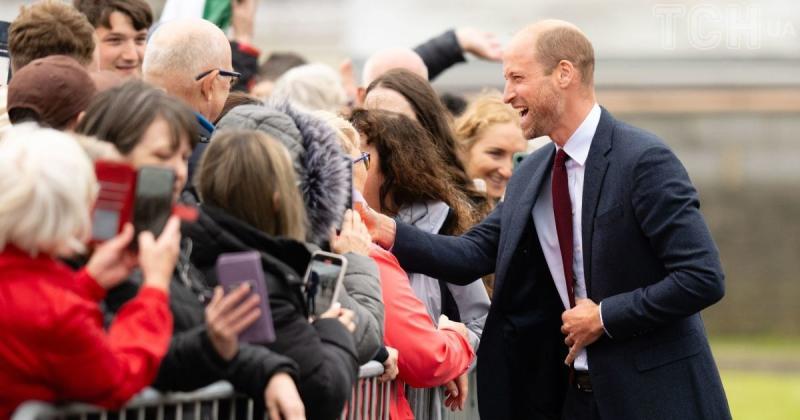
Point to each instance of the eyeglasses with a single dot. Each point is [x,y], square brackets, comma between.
[235,76]
[365,157]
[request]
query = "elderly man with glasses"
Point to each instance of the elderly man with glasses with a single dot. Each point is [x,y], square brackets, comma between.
[191,60]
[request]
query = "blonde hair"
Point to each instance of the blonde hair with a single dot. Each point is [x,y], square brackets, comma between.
[348,136]
[48,187]
[249,175]
[484,110]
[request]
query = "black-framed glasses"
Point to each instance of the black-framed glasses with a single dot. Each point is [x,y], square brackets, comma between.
[234,75]
[364,157]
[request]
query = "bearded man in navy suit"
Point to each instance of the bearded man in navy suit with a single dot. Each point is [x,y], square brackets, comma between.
[602,258]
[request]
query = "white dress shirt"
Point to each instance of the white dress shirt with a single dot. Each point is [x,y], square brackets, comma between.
[577,147]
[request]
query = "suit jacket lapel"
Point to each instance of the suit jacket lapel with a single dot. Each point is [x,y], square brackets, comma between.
[596,167]
[521,208]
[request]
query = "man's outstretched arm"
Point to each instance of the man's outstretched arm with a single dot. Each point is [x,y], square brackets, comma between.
[455,259]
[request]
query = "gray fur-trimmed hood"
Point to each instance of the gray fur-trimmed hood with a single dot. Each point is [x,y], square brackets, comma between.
[322,167]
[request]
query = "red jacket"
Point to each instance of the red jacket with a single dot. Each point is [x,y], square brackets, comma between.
[54,347]
[428,356]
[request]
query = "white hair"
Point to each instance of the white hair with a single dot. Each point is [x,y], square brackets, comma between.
[395,58]
[313,87]
[182,49]
[48,186]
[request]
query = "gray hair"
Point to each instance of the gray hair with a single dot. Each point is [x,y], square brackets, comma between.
[312,87]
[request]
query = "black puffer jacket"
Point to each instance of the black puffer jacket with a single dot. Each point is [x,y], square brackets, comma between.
[191,361]
[325,350]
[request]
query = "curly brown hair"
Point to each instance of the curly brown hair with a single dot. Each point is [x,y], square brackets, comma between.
[413,171]
[435,119]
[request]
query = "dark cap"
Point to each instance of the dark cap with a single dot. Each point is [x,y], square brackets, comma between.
[56,87]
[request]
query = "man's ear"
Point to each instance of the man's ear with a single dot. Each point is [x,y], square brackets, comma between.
[207,85]
[77,120]
[565,73]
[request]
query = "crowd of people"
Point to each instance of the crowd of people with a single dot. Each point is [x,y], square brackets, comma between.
[283,157]
[273,156]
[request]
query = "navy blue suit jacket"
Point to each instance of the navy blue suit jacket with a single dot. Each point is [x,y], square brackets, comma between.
[648,256]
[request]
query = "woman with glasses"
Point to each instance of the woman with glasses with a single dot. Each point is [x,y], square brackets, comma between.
[408,180]
[419,353]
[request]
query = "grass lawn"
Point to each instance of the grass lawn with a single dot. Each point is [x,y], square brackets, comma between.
[761,376]
[762,396]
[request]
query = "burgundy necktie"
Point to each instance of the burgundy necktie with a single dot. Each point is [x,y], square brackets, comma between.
[562,209]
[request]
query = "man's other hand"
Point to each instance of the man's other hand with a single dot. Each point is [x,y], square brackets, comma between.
[582,326]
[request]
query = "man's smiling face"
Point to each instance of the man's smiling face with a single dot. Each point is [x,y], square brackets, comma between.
[530,89]
[121,46]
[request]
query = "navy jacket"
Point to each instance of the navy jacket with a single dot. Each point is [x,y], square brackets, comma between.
[648,256]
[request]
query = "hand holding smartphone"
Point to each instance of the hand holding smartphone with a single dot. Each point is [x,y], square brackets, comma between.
[235,269]
[323,281]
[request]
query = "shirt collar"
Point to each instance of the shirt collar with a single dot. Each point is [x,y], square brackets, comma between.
[577,146]
[204,123]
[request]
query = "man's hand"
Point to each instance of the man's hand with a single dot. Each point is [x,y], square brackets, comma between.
[282,399]
[479,43]
[582,326]
[456,393]
[390,369]
[382,228]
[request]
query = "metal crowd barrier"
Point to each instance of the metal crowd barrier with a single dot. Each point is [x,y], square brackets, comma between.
[370,400]
[421,404]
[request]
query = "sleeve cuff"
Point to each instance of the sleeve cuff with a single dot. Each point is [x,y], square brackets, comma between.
[88,287]
[600,308]
[153,293]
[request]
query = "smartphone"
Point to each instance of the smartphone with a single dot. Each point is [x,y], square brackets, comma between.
[323,281]
[153,200]
[5,60]
[114,203]
[518,158]
[236,268]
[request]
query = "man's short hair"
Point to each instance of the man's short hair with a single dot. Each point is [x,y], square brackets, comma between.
[99,12]
[566,43]
[47,28]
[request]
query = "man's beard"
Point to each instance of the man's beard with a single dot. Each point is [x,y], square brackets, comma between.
[545,115]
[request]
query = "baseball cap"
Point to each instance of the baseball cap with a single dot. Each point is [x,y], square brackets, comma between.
[57,88]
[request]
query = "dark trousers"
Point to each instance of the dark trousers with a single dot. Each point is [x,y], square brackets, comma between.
[579,405]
